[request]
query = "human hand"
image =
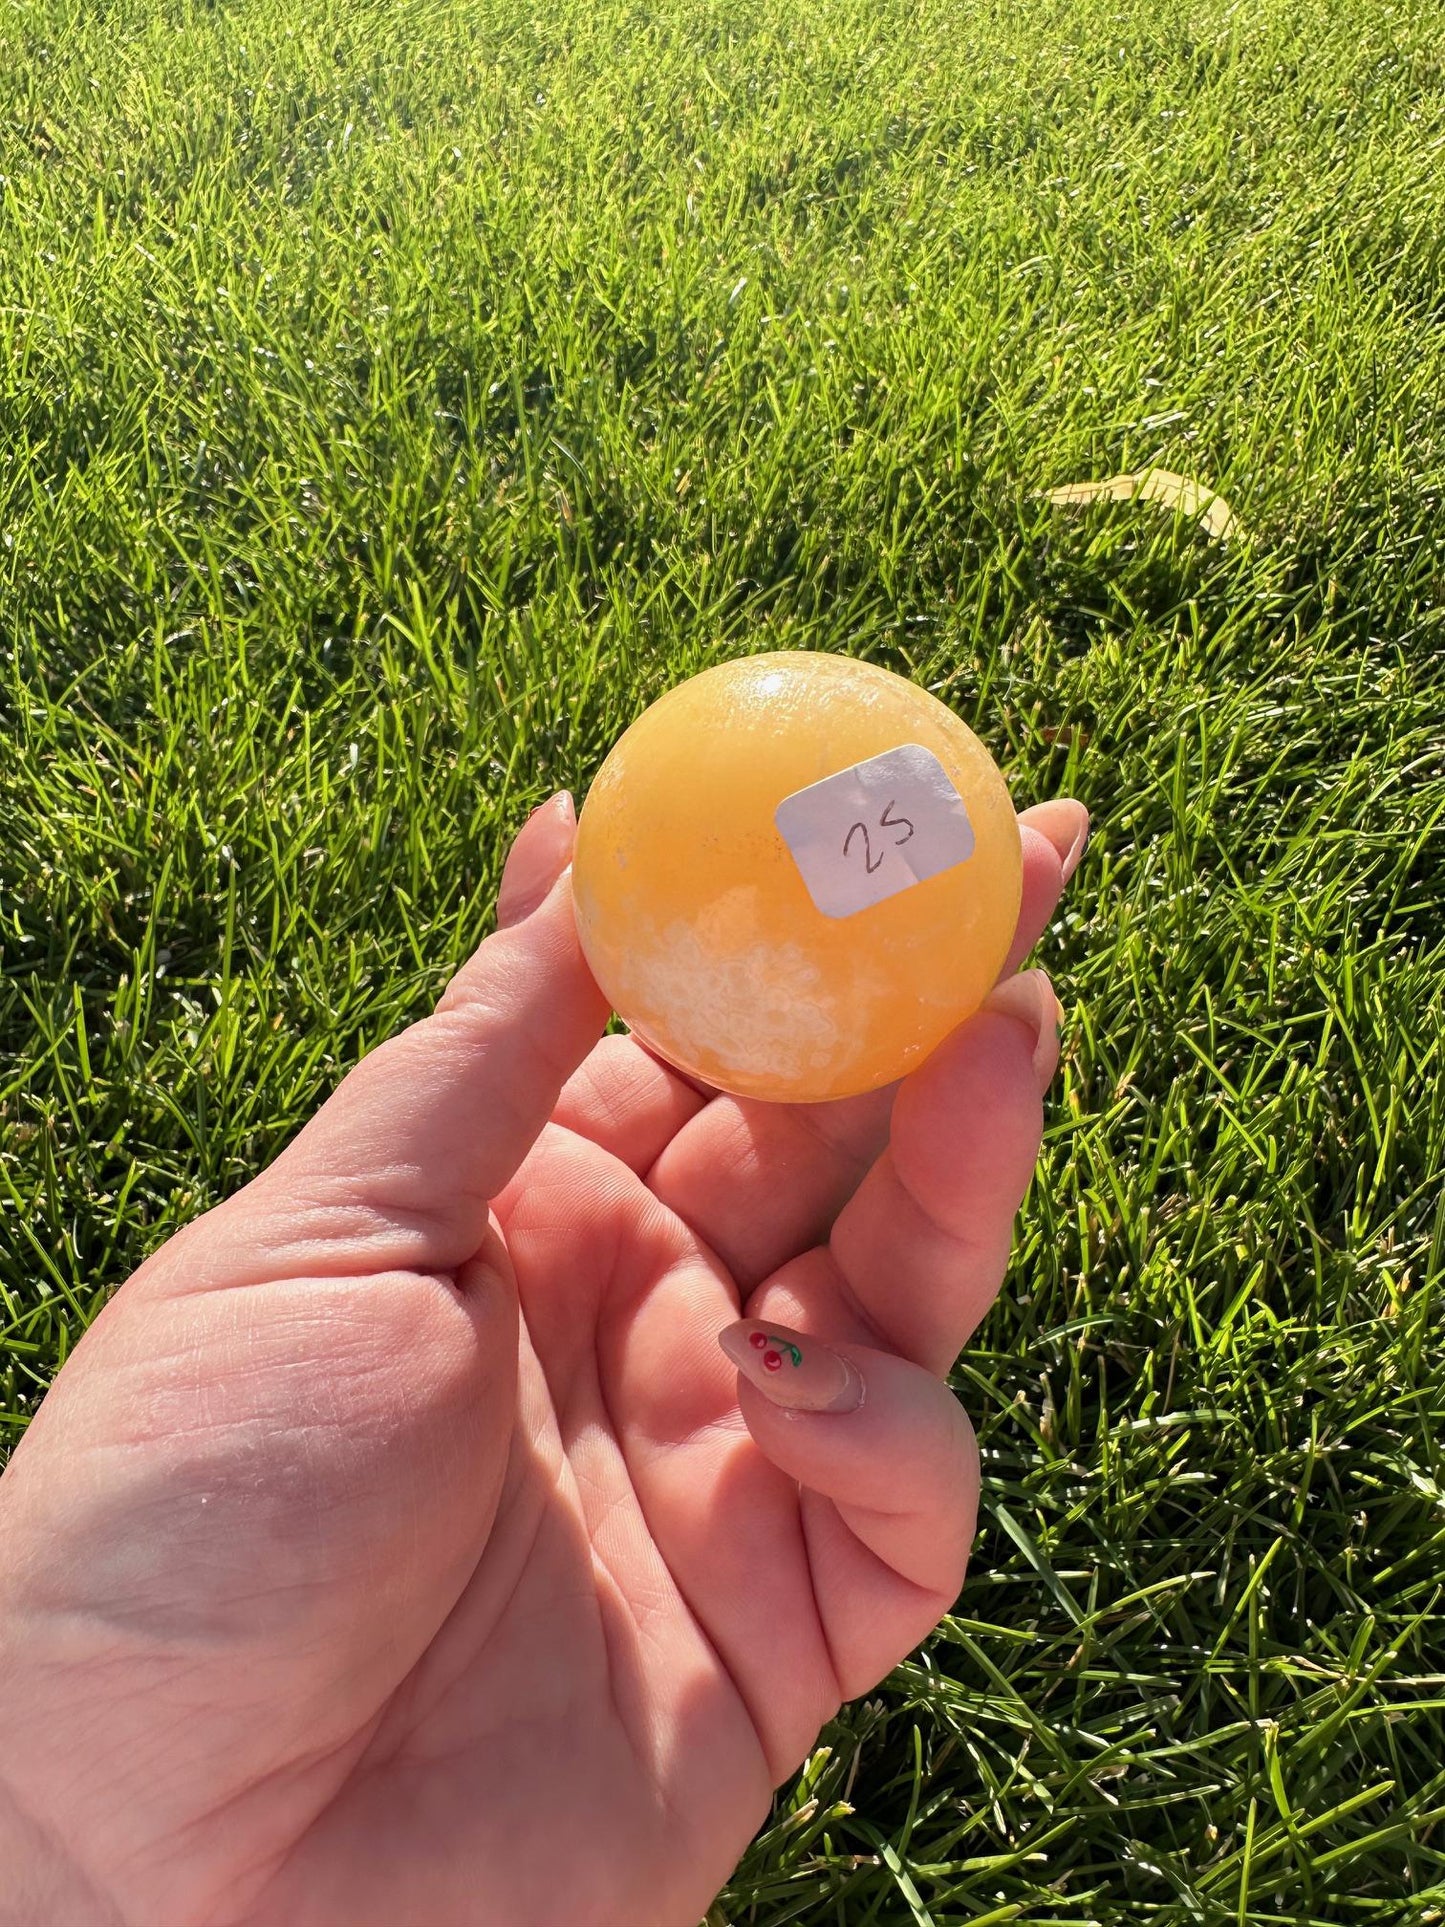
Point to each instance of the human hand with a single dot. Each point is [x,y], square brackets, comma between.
[399,1546]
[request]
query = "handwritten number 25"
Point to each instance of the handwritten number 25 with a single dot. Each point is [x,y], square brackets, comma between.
[886,821]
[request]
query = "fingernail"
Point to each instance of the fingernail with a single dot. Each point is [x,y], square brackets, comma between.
[537,858]
[795,1371]
[1030,998]
[1065,822]
[1076,851]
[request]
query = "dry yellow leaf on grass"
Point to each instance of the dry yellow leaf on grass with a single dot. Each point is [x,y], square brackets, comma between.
[1156,485]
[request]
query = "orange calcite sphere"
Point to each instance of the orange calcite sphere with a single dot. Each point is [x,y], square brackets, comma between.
[795,874]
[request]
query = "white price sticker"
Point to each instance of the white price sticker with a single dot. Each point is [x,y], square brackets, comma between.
[875,829]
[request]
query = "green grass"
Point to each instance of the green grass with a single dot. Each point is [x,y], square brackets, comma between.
[397,394]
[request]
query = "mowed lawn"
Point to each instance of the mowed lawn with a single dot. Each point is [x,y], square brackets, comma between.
[396,395]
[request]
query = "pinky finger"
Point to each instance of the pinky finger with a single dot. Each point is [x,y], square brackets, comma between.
[889,1469]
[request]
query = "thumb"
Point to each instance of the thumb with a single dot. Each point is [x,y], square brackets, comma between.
[537,858]
[398,1168]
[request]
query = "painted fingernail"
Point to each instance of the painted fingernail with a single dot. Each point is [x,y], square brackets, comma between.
[1030,998]
[537,858]
[795,1371]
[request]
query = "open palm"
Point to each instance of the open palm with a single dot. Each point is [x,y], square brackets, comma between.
[399,1546]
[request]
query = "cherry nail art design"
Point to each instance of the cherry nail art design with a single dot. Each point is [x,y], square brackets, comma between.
[773,1360]
[798,1373]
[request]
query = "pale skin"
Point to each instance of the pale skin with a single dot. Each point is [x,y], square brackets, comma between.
[399,1545]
